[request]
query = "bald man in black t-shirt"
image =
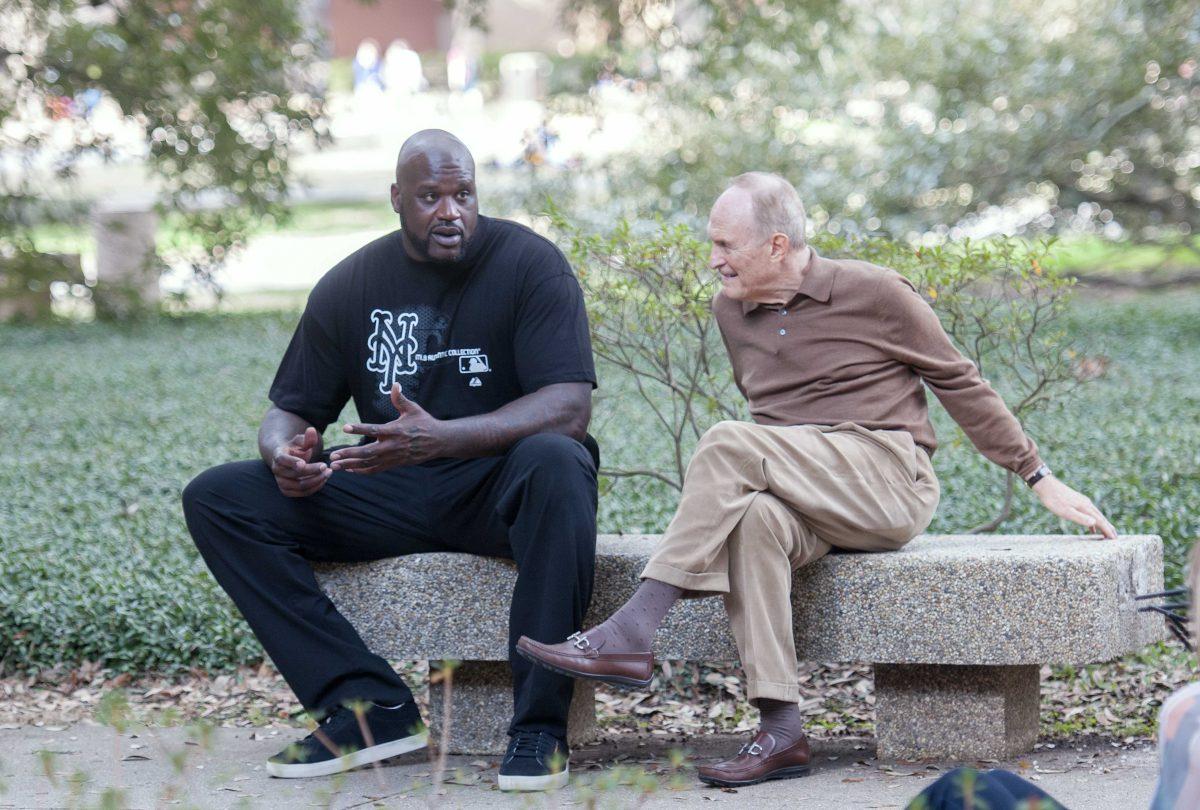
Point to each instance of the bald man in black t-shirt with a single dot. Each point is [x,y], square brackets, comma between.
[463,342]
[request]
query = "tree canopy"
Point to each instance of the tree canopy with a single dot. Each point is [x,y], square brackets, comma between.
[906,116]
[211,94]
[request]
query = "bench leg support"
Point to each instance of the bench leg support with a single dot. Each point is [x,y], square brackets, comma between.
[927,711]
[481,709]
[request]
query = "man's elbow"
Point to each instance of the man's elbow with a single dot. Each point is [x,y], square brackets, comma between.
[566,408]
[577,423]
[577,417]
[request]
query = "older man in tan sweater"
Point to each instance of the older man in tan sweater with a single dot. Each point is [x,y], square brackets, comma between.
[833,357]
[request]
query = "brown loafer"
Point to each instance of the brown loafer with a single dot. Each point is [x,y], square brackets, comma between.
[758,761]
[579,658]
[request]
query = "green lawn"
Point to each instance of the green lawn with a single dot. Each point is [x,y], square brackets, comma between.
[1092,254]
[105,424]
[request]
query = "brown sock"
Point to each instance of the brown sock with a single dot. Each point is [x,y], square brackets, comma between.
[631,628]
[782,719]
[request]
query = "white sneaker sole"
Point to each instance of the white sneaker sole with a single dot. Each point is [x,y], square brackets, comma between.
[552,781]
[302,770]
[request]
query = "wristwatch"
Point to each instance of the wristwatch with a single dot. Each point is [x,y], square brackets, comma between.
[1038,474]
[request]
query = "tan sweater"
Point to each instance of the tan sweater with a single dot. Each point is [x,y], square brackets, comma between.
[854,345]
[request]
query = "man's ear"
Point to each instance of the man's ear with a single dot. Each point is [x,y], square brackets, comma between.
[396,197]
[779,246]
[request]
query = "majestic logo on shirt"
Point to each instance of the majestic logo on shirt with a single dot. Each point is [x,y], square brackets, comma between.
[393,347]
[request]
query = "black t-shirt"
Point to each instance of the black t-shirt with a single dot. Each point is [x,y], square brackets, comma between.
[462,339]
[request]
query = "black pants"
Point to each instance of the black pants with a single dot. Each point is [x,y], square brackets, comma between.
[535,505]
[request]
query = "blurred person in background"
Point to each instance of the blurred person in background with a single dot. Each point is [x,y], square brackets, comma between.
[402,74]
[368,72]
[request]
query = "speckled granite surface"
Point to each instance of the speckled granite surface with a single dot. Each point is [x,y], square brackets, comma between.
[940,600]
[955,712]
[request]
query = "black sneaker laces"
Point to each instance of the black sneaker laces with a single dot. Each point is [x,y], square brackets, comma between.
[530,744]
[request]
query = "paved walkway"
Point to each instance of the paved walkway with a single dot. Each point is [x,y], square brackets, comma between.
[169,767]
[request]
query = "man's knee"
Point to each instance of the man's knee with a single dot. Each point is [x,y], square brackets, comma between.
[552,474]
[555,455]
[216,485]
[726,431]
[725,439]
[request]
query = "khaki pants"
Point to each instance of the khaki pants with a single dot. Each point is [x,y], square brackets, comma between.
[760,501]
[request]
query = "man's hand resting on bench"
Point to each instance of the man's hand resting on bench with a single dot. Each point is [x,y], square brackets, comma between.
[1074,506]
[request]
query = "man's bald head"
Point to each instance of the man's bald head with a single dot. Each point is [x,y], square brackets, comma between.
[434,194]
[433,146]
[776,205]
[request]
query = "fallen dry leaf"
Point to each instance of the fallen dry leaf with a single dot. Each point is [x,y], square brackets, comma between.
[1119,700]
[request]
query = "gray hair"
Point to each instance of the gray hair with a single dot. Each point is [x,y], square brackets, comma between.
[777,205]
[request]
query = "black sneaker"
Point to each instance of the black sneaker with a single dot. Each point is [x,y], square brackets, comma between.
[337,744]
[535,761]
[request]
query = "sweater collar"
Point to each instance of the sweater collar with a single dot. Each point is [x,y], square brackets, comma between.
[816,283]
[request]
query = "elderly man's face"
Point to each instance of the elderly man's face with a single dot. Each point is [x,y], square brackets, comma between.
[740,253]
[435,198]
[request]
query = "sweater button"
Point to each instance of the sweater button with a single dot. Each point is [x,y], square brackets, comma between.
[783,331]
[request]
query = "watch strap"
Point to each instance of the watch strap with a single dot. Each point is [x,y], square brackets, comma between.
[1038,474]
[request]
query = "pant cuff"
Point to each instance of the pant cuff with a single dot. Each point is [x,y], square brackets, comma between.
[557,730]
[772,690]
[717,582]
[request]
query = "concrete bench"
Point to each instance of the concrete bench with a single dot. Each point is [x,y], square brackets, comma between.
[957,628]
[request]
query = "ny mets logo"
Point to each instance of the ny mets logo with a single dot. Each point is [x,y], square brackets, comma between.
[393,345]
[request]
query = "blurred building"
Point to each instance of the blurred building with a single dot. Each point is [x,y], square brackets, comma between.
[426,25]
